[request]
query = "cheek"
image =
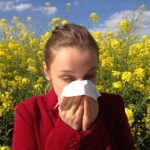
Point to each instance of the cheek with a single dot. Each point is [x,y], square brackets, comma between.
[58,86]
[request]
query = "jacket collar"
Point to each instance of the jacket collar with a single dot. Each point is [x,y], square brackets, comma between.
[50,100]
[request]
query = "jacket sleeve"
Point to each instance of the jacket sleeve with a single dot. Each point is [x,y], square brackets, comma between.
[63,137]
[24,134]
[124,139]
[98,136]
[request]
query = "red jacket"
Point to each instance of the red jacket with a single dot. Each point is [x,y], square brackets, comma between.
[39,127]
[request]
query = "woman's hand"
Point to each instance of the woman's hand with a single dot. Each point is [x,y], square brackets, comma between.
[91,109]
[78,112]
[71,111]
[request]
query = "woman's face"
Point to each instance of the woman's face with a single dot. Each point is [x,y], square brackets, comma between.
[71,64]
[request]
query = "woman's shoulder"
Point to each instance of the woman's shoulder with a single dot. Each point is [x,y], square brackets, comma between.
[31,104]
[32,100]
[110,97]
[110,101]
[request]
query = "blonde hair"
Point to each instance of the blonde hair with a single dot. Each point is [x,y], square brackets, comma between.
[69,35]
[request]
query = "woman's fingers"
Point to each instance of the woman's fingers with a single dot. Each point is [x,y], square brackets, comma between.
[75,104]
[68,102]
[63,102]
[80,110]
[71,111]
[91,109]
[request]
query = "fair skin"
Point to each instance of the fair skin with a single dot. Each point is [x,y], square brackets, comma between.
[71,64]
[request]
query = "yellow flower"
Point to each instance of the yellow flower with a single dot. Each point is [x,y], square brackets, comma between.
[47,4]
[19,25]
[126,76]
[117,85]
[134,49]
[25,81]
[147,119]
[142,7]
[138,73]
[100,87]
[32,69]
[68,5]
[1,111]
[124,26]
[37,87]
[115,73]
[40,54]
[13,45]
[4,148]
[109,33]
[138,86]
[130,116]
[14,18]
[96,35]
[3,21]
[29,19]
[64,22]
[94,17]
[31,61]
[145,37]
[115,43]
[55,21]
[2,53]
[107,62]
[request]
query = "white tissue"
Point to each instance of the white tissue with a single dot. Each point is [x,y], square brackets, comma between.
[81,87]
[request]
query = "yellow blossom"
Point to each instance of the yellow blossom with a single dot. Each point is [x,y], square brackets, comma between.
[138,86]
[147,118]
[55,21]
[25,81]
[115,73]
[3,21]
[109,33]
[68,5]
[1,111]
[4,148]
[142,7]
[130,116]
[124,26]
[96,35]
[117,85]
[115,43]
[14,18]
[64,22]
[37,87]
[19,25]
[126,76]
[32,69]
[40,54]
[100,87]
[29,19]
[107,62]
[47,4]
[94,17]
[138,73]
[145,37]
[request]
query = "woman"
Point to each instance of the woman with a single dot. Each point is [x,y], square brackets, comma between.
[77,122]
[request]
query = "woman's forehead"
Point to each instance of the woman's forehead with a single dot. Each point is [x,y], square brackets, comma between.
[70,60]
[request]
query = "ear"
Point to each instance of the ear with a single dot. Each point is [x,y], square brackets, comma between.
[46,71]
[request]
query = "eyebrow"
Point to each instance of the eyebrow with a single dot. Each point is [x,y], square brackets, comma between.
[68,71]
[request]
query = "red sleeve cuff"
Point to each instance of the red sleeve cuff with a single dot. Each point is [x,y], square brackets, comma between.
[96,137]
[63,137]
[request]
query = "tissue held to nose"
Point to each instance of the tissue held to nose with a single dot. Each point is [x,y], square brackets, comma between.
[80,87]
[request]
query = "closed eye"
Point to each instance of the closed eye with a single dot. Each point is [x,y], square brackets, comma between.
[67,78]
